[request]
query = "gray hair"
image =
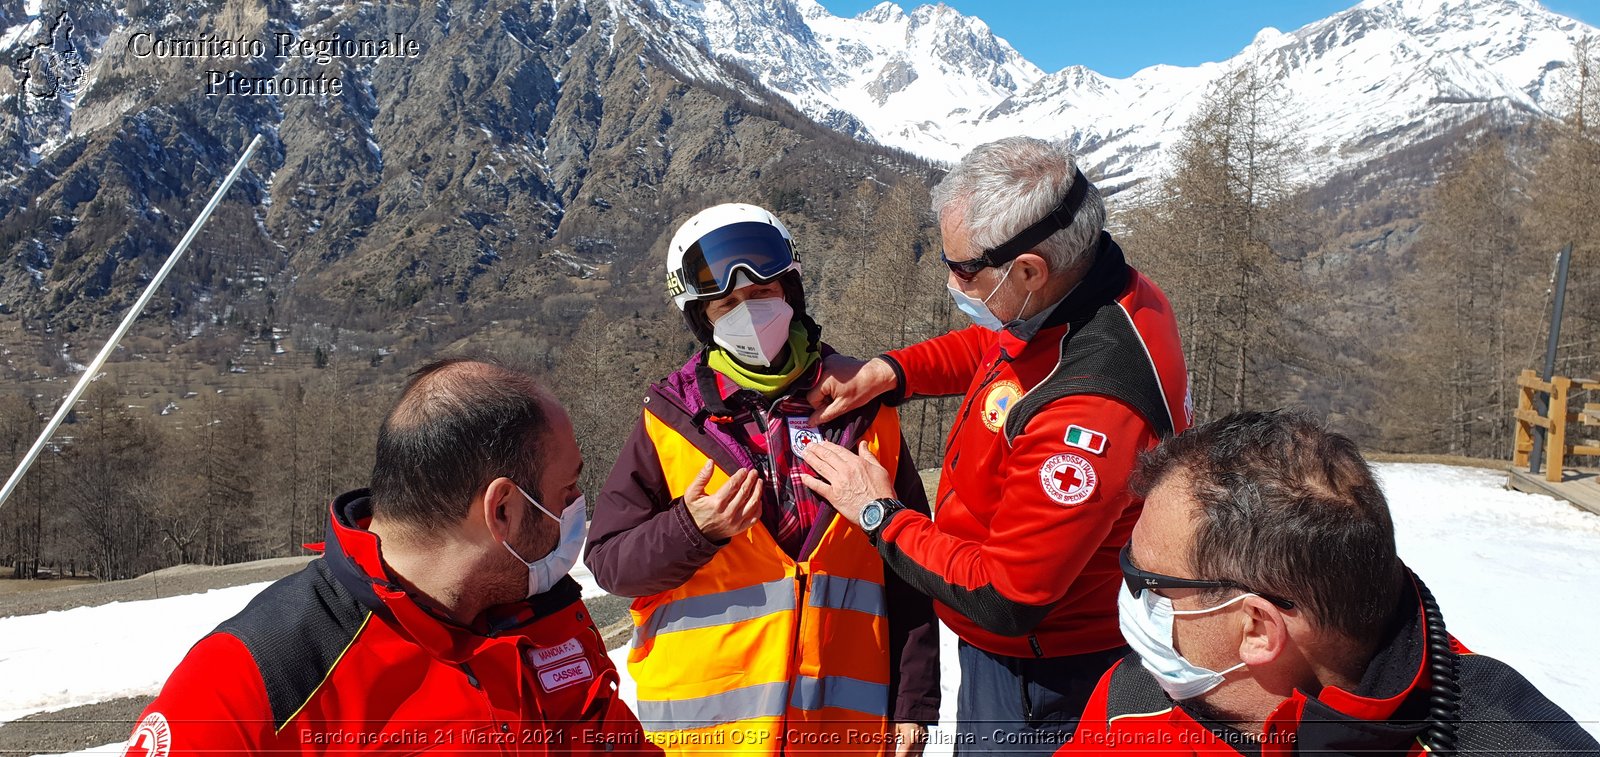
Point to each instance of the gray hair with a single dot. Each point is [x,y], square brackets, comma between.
[1005,186]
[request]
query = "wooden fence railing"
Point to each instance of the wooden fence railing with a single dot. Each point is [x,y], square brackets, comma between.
[1560,421]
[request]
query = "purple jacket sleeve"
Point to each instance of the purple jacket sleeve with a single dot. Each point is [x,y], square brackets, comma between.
[641,540]
[913,626]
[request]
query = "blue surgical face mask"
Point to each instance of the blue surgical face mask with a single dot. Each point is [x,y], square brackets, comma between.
[1146,623]
[544,572]
[978,310]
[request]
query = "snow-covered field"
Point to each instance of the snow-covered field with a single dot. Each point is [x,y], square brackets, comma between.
[1516,575]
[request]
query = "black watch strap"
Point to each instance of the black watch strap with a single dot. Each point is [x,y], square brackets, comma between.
[890,507]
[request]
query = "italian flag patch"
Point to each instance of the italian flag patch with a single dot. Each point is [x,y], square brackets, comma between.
[1086,439]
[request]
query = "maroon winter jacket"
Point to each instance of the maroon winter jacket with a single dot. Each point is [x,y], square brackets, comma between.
[642,541]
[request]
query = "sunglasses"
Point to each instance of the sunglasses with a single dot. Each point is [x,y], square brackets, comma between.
[967,270]
[1138,580]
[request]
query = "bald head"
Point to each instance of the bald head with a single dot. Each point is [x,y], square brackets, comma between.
[458,425]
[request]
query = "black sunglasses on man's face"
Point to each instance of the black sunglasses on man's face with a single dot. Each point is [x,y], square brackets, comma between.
[1138,580]
[967,270]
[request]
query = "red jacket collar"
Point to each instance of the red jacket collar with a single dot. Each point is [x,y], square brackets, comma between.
[1396,672]
[355,556]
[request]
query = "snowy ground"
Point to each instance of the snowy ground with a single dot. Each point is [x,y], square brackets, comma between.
[1516,575]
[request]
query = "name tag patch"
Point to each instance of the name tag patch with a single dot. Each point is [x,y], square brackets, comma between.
[547,656]
[561,676]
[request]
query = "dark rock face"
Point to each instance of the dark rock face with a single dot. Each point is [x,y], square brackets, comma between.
[520,134]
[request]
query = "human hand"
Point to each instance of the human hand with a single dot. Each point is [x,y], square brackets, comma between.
[846,384]
[909,739]
[852,478]
[734,508]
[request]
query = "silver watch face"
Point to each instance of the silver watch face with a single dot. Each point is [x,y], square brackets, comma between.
[871,515]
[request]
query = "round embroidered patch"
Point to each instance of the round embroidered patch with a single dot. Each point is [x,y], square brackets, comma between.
[153,737]
[1068,478]
[998,402]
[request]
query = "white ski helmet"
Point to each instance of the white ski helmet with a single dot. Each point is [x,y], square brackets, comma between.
[724,244]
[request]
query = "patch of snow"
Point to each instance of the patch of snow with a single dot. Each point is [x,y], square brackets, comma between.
[42,674]
[1513,573]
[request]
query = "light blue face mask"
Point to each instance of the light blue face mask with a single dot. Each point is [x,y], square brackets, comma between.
[978,310]
[544,572]
[1146,623]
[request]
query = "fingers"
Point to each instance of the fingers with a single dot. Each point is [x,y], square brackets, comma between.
[732,488]
[749,507]
[826,452]
[818,486]
[836,407]
[697,487]
[749,489]
[823,461]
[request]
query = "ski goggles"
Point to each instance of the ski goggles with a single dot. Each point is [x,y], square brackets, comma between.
[1138,580]
[711,263]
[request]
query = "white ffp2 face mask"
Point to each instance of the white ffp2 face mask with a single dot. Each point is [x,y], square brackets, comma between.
[544,572]
[1146,623]
[755,331]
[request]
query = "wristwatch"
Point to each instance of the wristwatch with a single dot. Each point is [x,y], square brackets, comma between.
[876,513]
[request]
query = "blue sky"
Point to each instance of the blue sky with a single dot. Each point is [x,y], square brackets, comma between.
[1119,38]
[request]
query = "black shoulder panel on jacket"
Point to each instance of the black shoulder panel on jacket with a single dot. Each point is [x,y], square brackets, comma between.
[1101,355]
[1502,713]
[296,630]
[1132,691]
[984,605]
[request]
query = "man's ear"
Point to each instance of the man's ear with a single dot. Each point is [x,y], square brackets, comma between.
[1032,271]
[1266,631]
[502,509]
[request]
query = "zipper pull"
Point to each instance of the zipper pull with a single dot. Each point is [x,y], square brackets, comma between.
[472,679]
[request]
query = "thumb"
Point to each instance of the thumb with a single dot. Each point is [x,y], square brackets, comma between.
[865,451]
[820,394]
[697,487]
[835,408]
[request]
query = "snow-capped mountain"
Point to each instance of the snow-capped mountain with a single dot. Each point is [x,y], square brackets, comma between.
[1360,84]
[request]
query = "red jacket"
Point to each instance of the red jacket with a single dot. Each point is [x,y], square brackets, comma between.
[339,659]
[1499,711]
[1033,503]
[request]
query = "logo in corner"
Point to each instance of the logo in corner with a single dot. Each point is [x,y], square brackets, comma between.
[998,402]
[1068,479]
[49,65]
[153,738]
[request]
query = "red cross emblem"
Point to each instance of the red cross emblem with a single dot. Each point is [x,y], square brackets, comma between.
[153,737]
[1068,479]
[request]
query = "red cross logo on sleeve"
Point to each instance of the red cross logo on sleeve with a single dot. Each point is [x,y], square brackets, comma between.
[153,738]
[1068,479]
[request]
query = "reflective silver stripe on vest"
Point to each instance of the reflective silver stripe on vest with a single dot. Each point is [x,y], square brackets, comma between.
[842,593]
[763,700]
[717,609]
[838,691]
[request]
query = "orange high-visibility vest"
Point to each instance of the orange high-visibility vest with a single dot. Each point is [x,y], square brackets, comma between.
[758,653]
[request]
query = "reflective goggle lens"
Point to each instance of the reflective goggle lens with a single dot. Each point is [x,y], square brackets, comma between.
[711,262]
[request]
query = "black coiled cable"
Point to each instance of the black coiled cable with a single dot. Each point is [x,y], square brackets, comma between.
[1444,697]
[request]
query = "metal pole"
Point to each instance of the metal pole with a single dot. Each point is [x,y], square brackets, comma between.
[122,329]
[1563,263]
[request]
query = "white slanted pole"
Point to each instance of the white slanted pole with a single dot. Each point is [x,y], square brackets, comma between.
[127,321]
